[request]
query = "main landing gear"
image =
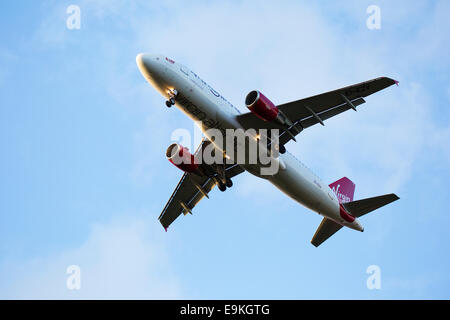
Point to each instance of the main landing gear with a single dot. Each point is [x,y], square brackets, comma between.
[223,186]
[170,103]
[172,95]
[222,180]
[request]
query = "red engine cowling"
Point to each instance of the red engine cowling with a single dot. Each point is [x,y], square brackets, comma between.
[181,158]
[261,106]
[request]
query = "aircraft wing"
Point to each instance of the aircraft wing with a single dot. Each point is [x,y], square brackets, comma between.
[191,189]
[316,109]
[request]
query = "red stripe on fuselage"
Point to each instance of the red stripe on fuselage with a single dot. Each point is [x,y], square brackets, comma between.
[345,215]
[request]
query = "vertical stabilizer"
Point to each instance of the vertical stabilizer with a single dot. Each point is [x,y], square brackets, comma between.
[344,189]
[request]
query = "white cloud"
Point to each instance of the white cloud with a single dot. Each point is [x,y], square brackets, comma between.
[123,259]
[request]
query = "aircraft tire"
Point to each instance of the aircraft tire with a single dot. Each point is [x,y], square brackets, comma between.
[222,187]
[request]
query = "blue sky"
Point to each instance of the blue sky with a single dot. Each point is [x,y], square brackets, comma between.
[83,137]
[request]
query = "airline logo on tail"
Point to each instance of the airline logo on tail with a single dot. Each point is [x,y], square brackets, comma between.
[344,189]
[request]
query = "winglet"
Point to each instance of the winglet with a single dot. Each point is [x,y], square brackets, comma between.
[396,82]
[165,228]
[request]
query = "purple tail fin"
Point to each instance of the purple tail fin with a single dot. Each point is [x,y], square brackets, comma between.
[344,189]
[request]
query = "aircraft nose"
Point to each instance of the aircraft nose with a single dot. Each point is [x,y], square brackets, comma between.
[149,65]
[140,59]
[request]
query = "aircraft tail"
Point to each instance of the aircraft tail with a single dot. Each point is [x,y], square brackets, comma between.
[344,189]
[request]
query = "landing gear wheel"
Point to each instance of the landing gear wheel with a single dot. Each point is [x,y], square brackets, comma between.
[222,187]
[172,101]
[282,149]
[168,104]
[229,183]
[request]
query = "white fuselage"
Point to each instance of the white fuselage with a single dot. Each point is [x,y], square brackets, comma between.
[204,105]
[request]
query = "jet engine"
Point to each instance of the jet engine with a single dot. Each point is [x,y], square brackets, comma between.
[261,106]
[264,109]
[181,158]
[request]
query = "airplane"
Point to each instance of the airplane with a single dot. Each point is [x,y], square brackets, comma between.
[183,88]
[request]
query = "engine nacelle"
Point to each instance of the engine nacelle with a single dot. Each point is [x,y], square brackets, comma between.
[261,106]
[264,109]
[181,158]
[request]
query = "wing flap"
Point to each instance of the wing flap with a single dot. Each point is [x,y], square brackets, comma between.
[330,113]
[208,186]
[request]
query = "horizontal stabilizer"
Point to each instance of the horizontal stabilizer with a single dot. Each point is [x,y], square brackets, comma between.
[326,229]
[359,208]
